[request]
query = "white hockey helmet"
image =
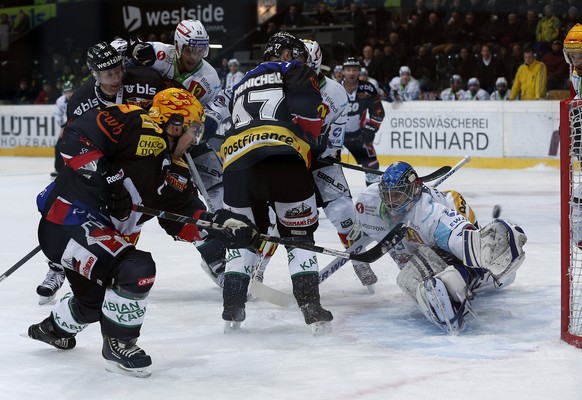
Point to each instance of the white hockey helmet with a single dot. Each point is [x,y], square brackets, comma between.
[120,45]
[191,33]
[315,54]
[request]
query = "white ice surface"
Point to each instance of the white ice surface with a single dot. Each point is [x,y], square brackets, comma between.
[381,346]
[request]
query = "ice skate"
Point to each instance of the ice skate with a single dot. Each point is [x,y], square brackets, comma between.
[53,281]
[233,316]
[46,332]
[366,275]
[126,358]
[318,318]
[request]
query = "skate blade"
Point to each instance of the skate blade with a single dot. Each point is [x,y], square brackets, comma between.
[232,327]
[42,300]
[320,328]
[116,368]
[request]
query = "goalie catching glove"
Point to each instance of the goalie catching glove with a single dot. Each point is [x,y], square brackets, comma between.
[498,247]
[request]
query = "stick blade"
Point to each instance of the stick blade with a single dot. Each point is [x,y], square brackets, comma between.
[261,291]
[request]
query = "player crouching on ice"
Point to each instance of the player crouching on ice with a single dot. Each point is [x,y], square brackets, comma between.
[445,259]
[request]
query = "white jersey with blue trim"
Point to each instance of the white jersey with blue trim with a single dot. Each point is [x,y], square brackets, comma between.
[432,220]
[203,82]
[335,101]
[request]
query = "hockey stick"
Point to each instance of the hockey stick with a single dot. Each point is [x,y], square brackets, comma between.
[457,166]
[369,256]
[430,177]
[20,263]
[198,181]
[336,264]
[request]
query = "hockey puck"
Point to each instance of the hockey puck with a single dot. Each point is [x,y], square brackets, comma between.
[496,211]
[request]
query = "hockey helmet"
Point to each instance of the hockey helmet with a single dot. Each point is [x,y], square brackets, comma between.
[284,40]
[120,45]
[315,54]
[177,107]
[351,62]
[67,86]
[102,57]
[400,187]
[573,42]
[191,33]
[501,82]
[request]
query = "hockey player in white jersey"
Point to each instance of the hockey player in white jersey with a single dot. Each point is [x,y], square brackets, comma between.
[184,62]
[445,259]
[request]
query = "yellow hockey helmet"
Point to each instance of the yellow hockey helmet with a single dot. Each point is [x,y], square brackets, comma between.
[573,41]
[178,106]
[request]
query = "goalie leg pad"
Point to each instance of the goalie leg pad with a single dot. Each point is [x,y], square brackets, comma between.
[436,304]
[422,265]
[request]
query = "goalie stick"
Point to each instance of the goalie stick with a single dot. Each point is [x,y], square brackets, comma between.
[20,263]
[368,256]
[427,178]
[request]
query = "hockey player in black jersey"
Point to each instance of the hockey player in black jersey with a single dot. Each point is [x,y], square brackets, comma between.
[360,133]
[115,157]
[266,157]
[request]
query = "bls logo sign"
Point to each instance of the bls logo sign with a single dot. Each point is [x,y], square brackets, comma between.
[131,18]
[140,89]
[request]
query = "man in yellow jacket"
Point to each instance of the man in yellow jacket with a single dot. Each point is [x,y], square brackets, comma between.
[530,78]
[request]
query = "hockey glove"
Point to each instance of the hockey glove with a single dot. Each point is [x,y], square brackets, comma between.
[240,232]
[144,54]
[368,133]
[116,200]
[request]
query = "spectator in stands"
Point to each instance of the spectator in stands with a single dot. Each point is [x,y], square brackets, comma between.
[369,62]
[222,70]
[529,5]
[571,18]
[527,30]
[530,80]
[423,68]
[514,60]
[547,30]
[358,19]
[487,69]
[439,8]
[234,76]
[45,96]
[323,16]
[23,25]
[269,31]
[510,30]
[558,70]
[501,91]
[403,87]
[23,94]
[490,31]
[433,32]
[337,73]
[469,31]
[453,35]
[67,75]
[420,11]
[414,32]
[293,17]
[474,91]
[480,11]
[5,30]
[454,92]
[465,64]
[389,64]
[399,49]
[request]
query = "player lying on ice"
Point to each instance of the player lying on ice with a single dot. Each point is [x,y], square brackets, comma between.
[445,258]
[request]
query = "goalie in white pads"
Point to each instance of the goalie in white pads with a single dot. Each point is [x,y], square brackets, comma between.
[445,258]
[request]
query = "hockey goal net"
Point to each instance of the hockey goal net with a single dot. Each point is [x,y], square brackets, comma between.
[571,219]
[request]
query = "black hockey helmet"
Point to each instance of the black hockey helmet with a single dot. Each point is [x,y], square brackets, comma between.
[351,62]
[103,56]
[280,40]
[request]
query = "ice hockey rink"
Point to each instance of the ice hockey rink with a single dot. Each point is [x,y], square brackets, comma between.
[381,346]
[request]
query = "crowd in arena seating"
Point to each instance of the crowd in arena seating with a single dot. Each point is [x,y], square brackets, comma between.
[435,40]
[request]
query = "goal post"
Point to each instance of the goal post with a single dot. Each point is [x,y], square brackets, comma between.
[571,220]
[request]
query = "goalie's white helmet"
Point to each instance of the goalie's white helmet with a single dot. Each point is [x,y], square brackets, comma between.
[315,54]
[191,33]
